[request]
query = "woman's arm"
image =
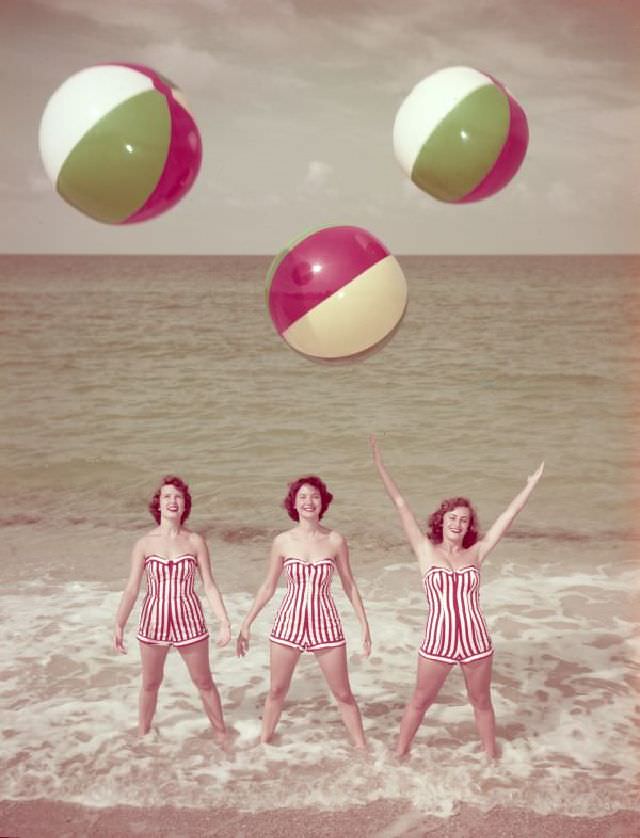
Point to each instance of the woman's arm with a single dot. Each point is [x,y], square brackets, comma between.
[265,592]
[129,596]
[505,519]
[417,539]
[212,591]
[351,590]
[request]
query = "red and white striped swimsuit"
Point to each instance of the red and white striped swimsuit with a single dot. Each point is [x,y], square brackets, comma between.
[456,631]
[171,611]
[308,618]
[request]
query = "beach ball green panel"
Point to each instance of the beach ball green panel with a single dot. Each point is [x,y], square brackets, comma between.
[128,171]
[460,135]
[456,157]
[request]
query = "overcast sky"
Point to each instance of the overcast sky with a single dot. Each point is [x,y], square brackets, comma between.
[295,101]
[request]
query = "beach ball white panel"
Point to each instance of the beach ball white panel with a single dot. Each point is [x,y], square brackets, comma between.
[427,105]
[78,104]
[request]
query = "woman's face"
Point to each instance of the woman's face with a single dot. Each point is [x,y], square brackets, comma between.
[455,523]
[171,502]
[308,502]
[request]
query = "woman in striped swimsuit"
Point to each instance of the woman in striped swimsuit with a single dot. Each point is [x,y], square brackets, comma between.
[450,556]
[170,555]
[308,620]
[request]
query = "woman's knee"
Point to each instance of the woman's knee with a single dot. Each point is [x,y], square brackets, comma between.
[151,685]
[423,699]
[278,690]
[203,683]
[480,700]
[343,695]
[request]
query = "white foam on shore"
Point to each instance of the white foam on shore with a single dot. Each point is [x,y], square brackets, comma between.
[567,713]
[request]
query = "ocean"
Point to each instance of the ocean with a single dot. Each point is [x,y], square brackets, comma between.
[117,370]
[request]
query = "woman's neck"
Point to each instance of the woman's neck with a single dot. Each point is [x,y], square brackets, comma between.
[307,527]
[170,529]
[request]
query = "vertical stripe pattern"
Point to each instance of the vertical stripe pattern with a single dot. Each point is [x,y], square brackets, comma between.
[308,618]
[456,630]
[171,611]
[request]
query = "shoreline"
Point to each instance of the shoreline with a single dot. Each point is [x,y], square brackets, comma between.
[391,818]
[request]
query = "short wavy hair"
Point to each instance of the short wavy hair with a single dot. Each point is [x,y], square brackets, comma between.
[289,502]
[171,480]
[434,533]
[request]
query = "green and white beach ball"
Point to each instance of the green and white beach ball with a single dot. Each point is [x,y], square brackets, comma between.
[119,144]
[460,135]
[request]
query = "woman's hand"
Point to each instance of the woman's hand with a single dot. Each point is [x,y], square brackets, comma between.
[537,474]
[366,643]
[375,448]
[118,640]
[242,642]
[224,634]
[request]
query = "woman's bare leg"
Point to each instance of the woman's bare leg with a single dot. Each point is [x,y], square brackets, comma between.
[430,678]
[477,676]
[333,663]
[196,657]
[153,657]
[283,660]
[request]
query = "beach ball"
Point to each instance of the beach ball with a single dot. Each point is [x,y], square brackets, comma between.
[460,135]
[336,294]
[119,144]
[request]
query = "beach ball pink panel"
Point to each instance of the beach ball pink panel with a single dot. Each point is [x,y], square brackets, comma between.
[336,294]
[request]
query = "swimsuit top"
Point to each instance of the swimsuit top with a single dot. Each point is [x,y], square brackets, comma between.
[451,570]
[169,561]
[167,578]
[446,584]
[311,564]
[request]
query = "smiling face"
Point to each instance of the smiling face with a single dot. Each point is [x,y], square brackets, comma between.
[308,503]
[455,524]
[172,503]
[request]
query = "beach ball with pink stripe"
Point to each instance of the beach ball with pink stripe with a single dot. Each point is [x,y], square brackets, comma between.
[460,135]
[336,294]
[119,144]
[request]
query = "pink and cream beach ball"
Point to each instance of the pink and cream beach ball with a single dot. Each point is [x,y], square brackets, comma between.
[460,135]
[119,144]
[336,294]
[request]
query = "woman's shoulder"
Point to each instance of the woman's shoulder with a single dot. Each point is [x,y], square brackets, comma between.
[336,539]
[148,538]
[284,535]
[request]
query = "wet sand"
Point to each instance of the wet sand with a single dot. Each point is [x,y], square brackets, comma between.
[383,819]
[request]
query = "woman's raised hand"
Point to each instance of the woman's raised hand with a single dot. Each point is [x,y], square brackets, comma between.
[537,474]
[375,448]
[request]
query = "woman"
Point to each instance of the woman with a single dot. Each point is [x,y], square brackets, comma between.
[307,620]
[450,556]
[172,613]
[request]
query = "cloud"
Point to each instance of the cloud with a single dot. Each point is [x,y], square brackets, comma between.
[318,176]
[187,66]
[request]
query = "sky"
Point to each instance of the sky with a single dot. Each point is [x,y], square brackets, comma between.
[295,101]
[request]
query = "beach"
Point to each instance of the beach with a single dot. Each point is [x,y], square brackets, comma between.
[385,819]
[119,370]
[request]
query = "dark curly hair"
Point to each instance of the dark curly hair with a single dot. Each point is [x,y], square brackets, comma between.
[289,502]
[434,533]
[172,480]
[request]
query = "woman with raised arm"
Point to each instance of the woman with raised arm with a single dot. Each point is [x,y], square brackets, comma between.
[308,620]
[170,555]
[449,557]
